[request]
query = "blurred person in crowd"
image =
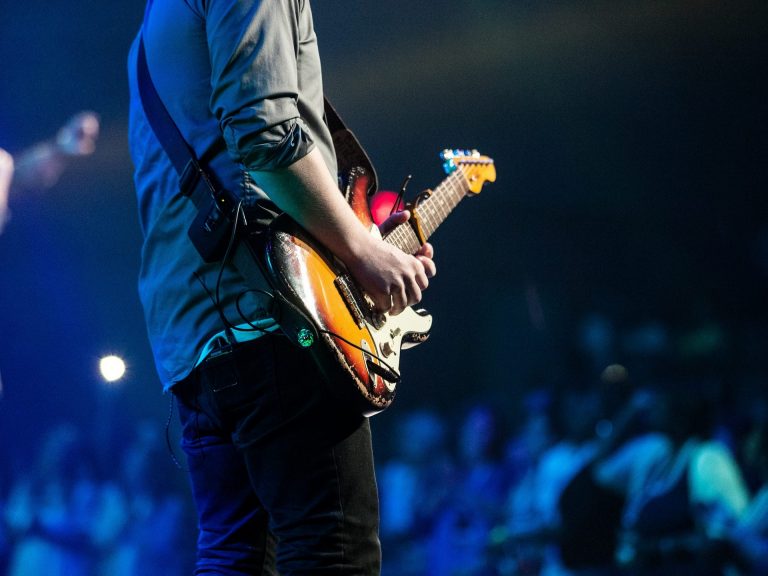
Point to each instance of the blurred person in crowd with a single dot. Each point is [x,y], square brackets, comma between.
[151,509]
[747,427]
[749,536]
[519,542]
[460,538]
[554,442]
[589,507]
[40,166]
[687,494]
[55,511]
[414,484]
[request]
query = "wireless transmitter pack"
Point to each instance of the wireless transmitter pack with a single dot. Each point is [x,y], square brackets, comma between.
[211,230]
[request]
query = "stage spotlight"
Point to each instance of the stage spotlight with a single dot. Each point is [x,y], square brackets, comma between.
[112,368]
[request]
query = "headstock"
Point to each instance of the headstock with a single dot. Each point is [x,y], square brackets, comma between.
[477,169]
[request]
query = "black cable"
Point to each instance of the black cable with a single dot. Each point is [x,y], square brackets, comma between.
[228,251]
[229,326]
[243,317]
[400,194]
[215,297]
[364,351]
[217,301]
[227,330]
[171,451]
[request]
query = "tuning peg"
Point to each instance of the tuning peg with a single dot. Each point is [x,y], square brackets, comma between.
[447,157]
[459,156]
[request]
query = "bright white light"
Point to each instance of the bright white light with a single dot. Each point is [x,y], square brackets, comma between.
[112,368]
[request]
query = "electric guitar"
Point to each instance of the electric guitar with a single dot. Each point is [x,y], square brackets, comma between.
[357,347]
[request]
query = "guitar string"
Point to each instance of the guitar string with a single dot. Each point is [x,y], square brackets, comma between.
[433,211]
[437,208]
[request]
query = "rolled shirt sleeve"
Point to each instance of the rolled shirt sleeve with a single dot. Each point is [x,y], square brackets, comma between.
[255,79]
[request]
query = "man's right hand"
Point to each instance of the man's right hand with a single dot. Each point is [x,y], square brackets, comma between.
[310,195]
[393,279]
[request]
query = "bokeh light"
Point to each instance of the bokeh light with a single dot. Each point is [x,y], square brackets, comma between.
[112,368]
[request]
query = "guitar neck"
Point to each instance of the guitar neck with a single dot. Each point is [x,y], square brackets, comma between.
[432,211]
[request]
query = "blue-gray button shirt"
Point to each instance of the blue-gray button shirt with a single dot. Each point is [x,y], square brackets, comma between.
[242,81]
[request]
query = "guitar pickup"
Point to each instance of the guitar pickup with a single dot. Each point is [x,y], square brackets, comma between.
[350,293]
[356,300]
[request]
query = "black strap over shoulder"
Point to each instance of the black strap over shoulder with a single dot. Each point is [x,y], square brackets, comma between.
[216,205]
[160,120]
[210,230]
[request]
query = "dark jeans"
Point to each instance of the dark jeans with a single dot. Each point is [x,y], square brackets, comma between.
[282,475]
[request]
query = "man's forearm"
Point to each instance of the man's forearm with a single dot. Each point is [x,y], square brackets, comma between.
[309,194]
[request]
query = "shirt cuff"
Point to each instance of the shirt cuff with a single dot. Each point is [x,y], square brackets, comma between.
[293,146]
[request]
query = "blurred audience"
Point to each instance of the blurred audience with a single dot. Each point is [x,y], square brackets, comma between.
[676,521]
[66,514]
[601,476]
[605,475]
[54,510]
[151,511]
[556,441]
[749,536]
[415,482]
[459,540]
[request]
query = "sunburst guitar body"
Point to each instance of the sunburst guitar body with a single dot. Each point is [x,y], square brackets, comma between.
[357,348]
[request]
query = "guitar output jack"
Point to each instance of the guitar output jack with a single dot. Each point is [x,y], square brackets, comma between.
[305,338]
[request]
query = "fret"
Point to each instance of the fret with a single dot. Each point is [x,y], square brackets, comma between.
[404,238]
[435,209]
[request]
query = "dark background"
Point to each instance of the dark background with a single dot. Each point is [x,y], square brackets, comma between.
[629,139]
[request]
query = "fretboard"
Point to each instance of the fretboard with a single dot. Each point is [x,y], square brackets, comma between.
[432,211]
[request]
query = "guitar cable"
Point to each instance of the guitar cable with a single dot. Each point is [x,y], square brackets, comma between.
[385,370]
[400,194]
[216,298]
[388,372]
